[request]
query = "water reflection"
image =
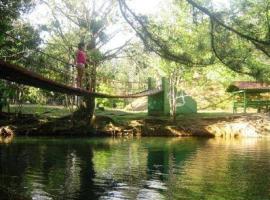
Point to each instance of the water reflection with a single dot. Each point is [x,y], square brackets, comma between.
[146,168]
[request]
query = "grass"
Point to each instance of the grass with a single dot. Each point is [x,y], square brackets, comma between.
[40,110]
[116,114]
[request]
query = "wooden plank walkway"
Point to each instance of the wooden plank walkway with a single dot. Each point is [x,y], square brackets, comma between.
[23,76]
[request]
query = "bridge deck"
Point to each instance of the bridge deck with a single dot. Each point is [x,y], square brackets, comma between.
[23,76]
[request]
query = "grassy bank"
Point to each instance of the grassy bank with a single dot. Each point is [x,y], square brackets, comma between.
[57,120]
[40,110]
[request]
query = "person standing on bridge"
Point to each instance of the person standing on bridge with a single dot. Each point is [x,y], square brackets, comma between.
[80,63]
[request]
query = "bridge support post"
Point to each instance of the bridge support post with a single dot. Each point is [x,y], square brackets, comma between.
[159,104]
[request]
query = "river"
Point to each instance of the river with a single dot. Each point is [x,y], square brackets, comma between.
[135,168]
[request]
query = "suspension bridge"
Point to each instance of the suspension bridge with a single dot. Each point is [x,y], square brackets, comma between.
[14,73]
[26,74]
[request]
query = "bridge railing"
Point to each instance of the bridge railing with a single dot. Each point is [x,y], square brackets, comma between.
[38,61]
[58,70]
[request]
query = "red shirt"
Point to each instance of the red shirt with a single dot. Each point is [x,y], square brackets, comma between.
[81,57]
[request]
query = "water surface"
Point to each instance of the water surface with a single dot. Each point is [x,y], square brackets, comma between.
[145,168]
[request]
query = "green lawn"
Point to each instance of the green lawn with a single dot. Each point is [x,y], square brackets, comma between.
[116,114]
[44,110]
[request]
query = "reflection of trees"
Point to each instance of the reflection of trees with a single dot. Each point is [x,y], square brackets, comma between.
[51,169]
[230,169]
[161,152]
[87,174]
[165,157]
[10,176]
[144,168]
[139,168]
[121,167]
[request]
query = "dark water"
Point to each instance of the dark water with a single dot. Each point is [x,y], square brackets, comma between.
[146,168]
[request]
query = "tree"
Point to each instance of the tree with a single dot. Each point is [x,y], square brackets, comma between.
[87,22]
[10,11]
[17,41]
[241,51]
[180,42]
[241,14]
[165,39]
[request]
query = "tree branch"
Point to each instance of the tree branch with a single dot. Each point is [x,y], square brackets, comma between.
[214,18]
[109,55]
[216,53]
[160,47]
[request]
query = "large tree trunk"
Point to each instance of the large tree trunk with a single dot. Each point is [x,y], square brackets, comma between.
[87,107]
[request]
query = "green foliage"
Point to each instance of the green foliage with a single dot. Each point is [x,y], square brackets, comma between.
[239,55]
[95,56]
[11,10]
[19,43]
[6,93]
[187,43]
[250,16]
[111,103]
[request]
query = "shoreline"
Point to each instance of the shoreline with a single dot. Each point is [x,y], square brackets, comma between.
[237,125]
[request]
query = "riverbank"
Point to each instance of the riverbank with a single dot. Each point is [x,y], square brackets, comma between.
[202,125]
[119,123]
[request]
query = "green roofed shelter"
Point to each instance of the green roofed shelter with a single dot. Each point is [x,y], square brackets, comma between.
[250,94]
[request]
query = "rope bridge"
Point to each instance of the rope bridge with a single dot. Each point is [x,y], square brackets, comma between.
[53,73]
[12,72]
[30,74]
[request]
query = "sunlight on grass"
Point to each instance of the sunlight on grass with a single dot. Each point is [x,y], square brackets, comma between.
[44,110]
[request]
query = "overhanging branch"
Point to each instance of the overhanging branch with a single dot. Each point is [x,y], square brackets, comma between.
[159,46]
[214,18]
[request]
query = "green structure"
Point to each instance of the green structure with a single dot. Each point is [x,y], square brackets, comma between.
[248,94]
[159,104]
[185,104]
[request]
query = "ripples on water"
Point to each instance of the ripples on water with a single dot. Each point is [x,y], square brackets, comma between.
[146,168]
